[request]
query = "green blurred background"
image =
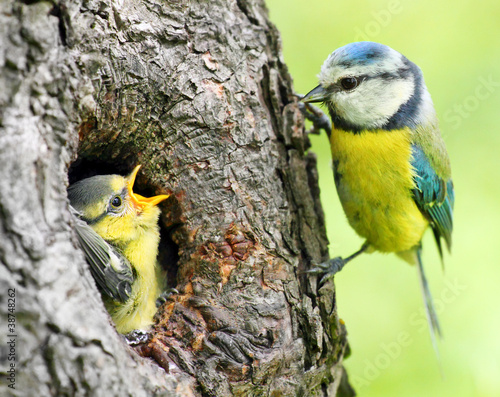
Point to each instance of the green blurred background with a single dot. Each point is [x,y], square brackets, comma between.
[457,45]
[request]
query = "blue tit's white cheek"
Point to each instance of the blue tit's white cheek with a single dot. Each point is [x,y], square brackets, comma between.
[374,101]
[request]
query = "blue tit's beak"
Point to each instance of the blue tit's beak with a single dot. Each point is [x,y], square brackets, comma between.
[318,94]
[138,200]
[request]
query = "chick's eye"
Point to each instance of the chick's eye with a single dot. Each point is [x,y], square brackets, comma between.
[116,201]
[349,83]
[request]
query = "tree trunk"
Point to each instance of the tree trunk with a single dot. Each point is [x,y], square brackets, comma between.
[197,93]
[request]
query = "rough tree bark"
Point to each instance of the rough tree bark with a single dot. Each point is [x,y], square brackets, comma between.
[197,93]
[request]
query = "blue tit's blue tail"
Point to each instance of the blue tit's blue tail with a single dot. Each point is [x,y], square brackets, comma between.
[430,310]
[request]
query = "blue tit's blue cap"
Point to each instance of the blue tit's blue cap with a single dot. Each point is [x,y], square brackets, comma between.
[364,58]
[361,53]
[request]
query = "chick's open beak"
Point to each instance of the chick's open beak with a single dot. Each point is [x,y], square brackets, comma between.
[138,200]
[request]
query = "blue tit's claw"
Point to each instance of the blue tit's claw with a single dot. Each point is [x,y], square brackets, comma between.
[328,269]
[319,119]
[138,337]
[165,296]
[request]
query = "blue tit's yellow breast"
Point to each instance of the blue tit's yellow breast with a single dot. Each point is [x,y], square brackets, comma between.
[374,178]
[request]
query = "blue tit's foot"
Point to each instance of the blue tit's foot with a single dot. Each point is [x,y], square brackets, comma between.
[138,337]
[165,296]
[328,269]
[319,119]
[333,266]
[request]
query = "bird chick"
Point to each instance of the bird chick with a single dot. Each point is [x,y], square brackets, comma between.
[119,234]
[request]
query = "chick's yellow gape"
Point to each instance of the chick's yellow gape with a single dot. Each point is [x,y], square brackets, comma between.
[391,168]
[118,231]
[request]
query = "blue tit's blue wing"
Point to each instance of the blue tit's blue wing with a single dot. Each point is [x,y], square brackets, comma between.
[434,197]
[110,269]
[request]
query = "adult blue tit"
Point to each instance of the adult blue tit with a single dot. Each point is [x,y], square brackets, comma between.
[119,234]
[391,167]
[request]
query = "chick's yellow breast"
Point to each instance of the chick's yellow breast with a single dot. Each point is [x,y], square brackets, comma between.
[374,179]
[138,236]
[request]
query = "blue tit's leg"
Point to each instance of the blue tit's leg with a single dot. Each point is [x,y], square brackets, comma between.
[331,267]
[319,119]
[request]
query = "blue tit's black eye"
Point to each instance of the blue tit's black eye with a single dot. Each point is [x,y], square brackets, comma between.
[116,201]
[349,83]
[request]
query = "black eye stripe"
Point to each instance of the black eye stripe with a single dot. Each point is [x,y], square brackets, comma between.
[401,73]
[348,83]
